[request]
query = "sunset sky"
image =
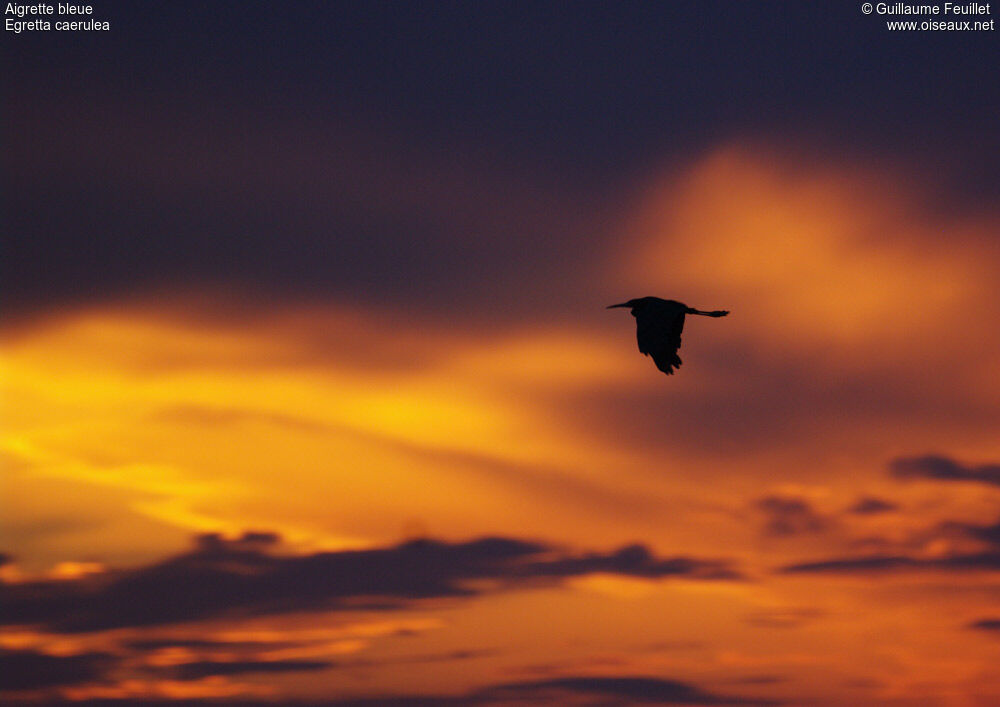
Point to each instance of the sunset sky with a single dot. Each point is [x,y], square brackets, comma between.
[310,395]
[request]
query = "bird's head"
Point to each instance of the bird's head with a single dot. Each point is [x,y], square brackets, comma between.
[635,305]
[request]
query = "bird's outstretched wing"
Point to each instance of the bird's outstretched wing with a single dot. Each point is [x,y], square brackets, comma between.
[659,333]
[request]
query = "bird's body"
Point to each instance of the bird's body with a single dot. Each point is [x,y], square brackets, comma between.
[658,324]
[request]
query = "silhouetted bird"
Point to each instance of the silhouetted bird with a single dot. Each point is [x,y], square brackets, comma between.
[658,326]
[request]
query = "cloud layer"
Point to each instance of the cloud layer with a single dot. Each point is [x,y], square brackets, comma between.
[241,577]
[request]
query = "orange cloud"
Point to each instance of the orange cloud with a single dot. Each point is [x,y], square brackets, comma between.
[815,255]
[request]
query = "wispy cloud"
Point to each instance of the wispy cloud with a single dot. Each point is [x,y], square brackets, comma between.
[960,547]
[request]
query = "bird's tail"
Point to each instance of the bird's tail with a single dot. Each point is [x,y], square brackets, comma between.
[715,313]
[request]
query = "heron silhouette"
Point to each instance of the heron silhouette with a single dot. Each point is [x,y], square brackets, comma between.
[658,326]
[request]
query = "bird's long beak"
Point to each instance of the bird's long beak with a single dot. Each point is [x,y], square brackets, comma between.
[623,304]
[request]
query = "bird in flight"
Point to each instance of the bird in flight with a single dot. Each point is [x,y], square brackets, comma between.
[658,326]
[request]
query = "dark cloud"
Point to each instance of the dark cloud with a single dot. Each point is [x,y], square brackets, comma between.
[623,690]
[284,207]
[245,577]
[941,468]
[249,664]
[28,670]
[961,533]
[206,668]
[986,625]
[171,180]
[202,644]
[446,657]
[605,690]
[869,505]
[635,561]
[969,547]
[981,561]
[785,515]
[986,533]
[37,671]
